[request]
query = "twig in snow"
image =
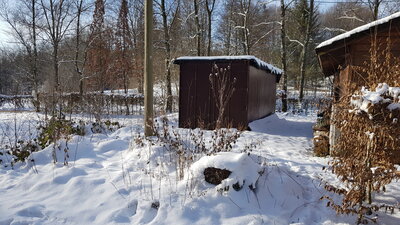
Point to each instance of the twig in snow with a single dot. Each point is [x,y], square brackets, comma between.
[293,179]
[112,183]
[258,202]
[234,202]
[76,152]
[307,203]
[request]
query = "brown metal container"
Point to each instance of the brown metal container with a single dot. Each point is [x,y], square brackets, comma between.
[252,99]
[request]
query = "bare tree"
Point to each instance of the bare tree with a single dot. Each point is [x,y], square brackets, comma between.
[173,14]
[136,21]
[226,31]
[80,53]
[198,27]
[57,22]
[374,6]
[24,28]
[343,17]
[391,7]
[98,56]
[244,13]
[210,5]
[303,56]
[284,7]
[124,49]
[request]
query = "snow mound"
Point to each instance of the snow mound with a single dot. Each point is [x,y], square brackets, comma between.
[270,121]
[244,169]
[383,94]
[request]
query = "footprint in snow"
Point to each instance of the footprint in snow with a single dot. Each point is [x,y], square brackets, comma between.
[19,223]
[112,145]
[149,212]
[32,211]
[6,222]
[123,215]
[68,175]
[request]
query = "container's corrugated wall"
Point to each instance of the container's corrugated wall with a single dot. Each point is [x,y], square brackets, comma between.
[187,95]
[238,105]
[196,101]
[262,94]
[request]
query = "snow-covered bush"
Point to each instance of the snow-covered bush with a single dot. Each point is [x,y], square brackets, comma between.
[367,149]
[104,127]
[18,138]
[56,131]
[19,152]
[367,101]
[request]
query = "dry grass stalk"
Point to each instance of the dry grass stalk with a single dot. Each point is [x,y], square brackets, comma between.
[223,87]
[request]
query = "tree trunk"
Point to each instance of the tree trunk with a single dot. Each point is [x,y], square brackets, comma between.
[168,106]
[57,91]
[125,80]
[303,56]
[374,6]
[136,56]
[228,40]
[245,34]
[56,25]
[283,55]
[198,29]
[35,56]
[77,44]
[210,10]
[209,35]
[244,37]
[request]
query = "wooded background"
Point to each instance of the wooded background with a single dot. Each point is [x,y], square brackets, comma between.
[96,45]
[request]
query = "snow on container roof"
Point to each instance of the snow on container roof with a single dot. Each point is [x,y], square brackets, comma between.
[254,61]
[358,30]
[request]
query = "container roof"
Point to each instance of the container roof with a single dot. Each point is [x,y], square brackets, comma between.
[254,61]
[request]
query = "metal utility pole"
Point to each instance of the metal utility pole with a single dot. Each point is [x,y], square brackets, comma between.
[148,69]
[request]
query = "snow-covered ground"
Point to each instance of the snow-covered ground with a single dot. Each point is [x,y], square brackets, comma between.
[112,179]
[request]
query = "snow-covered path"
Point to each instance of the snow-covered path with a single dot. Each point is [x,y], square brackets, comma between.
[109,180]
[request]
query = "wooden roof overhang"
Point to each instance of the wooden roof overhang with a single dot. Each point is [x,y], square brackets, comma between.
[332,57]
